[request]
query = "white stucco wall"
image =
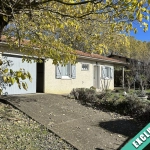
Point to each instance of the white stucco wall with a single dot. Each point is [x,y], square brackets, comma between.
[84,79]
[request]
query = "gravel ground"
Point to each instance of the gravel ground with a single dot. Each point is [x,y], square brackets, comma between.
[19,132]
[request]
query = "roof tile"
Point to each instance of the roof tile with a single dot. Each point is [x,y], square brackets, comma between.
[80,53]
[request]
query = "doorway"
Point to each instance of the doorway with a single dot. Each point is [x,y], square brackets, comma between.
[40,78]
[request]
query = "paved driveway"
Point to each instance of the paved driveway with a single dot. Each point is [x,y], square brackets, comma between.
[83,127]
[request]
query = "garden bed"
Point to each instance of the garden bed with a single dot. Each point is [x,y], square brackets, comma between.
[113,101]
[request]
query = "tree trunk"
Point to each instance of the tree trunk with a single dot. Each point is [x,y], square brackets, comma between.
[141,85]
[128,86]
[3,23]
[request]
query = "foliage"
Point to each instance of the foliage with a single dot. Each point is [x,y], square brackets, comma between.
[136,49]
[114,101]
[87,39]
[55,26]
[86,95]
[10,77]
[140,93]
[137,58]
[138,71]
[93,88]
[139,50]
[56,38]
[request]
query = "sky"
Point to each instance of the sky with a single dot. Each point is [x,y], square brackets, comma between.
[141,35]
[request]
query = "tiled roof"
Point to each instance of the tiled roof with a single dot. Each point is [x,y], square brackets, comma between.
[99,57]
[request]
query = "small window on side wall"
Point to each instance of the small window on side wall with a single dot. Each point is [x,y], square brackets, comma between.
[85,67]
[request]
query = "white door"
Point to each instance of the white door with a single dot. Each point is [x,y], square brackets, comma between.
[96,77]
[16,65]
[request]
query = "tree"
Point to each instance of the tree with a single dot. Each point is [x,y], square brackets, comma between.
[138,72]
[135,49]
[138,59]
[88,39]
[138,64]
[40,20]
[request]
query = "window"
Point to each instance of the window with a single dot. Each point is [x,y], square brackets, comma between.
[65,72]
[107,72]
[85,67]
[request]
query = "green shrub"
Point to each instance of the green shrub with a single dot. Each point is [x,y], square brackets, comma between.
[93,88]
[127,105]
[145,115]
[85,95]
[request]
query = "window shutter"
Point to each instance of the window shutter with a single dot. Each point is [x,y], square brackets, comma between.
[73,71]
[111,73]
[103,72]
[69,70]
[58,71]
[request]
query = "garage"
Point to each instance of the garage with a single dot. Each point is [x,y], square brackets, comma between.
[17,64]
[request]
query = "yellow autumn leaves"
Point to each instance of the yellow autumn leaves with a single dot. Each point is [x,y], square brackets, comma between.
[56,28]
[10,76]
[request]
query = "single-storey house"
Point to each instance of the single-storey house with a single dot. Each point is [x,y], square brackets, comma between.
[90,70]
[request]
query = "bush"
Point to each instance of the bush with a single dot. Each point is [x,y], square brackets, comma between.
[145,115]
[127,105]
[93,88]
[84,95]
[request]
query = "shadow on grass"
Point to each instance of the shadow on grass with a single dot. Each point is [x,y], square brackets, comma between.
[128,128]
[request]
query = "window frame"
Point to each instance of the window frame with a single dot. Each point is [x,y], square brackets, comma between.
[68,71]
[71,71]
[85,69]
[109,74]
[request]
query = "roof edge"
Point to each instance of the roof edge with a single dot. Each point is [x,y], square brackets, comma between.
[98,59]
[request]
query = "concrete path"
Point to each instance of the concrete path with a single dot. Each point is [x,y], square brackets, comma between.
[83,127]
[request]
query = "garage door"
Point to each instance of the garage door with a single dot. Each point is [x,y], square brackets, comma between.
[16,65]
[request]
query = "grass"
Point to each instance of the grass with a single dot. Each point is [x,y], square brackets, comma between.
[18,131]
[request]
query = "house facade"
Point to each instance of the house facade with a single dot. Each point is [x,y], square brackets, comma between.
[90,70]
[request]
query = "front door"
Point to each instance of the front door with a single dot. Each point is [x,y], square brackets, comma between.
[96,77]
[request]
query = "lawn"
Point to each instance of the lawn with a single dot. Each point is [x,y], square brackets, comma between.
[18,131]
